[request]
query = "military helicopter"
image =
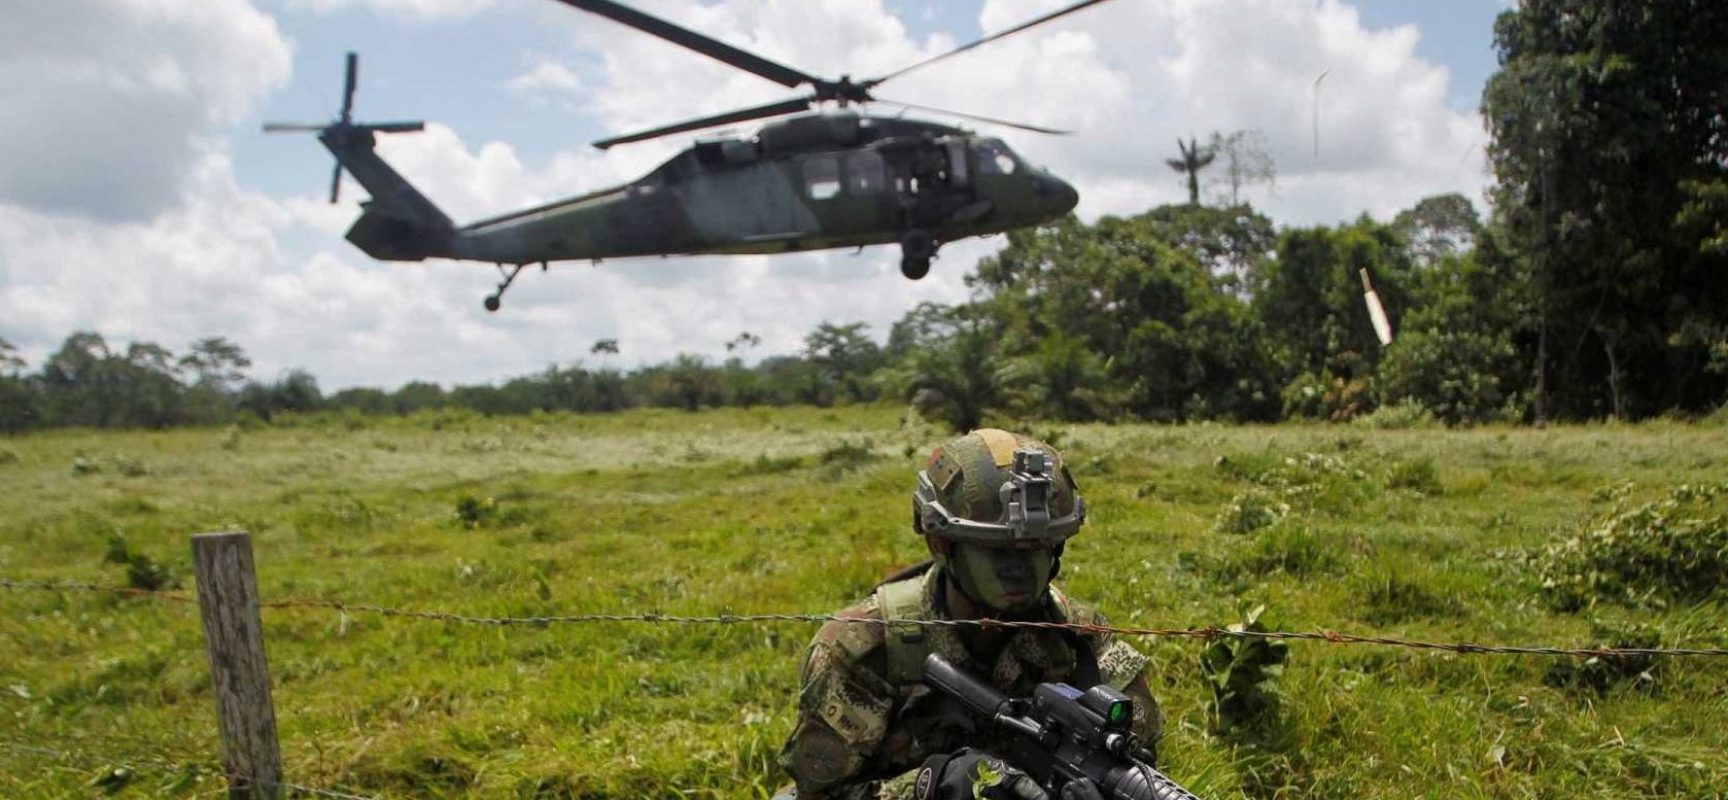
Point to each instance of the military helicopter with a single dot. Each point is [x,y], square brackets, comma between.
[809,182]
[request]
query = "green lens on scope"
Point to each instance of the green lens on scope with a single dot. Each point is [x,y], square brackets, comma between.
[1120,711]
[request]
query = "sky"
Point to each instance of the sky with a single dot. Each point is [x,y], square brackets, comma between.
[139,199]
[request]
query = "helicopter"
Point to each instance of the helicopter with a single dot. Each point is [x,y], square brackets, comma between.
[814,180]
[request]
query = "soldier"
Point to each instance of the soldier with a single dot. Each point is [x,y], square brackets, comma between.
[995,510]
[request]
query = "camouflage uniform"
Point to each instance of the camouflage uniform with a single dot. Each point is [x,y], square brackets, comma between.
[866,721]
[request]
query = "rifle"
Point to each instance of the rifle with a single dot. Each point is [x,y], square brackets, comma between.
[1076,745]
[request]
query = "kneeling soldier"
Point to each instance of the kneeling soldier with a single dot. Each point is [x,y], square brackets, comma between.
[995,510]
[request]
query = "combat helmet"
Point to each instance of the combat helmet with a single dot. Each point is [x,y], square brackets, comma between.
[997,489]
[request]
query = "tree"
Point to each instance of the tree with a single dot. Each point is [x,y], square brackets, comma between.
[219,366]
[150,388]
[417,395]
[1234,243]
[18,396]
[1247,160]
[957,379]
[1438,227]
[691,382]
[78,382]
[1172,342]
[219,363]
[1194,158]
[846,355]
[1607,127]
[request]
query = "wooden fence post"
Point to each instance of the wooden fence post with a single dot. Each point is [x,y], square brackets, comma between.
[234,637]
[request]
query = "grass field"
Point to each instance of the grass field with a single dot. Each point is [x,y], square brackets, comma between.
[1417,533]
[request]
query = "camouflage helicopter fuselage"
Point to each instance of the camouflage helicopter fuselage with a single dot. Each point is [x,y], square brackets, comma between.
[804,183]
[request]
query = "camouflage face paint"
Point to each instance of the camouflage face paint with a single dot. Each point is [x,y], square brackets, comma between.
[1003,579]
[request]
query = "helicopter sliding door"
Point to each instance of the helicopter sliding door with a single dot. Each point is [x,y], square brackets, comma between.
[849,192]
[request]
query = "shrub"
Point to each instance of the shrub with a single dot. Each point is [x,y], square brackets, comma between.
[142,571]
[1402,415]
[473,511]
[1389,598]
[764,465]
[846,456]
[1250,511]
[1670,550]
[130,467]
[1243,675]
[1601,673]
[8,456]
[1421,477]
[84,465]
[1291,549]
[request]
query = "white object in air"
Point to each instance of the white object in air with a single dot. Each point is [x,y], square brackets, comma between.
[1376,311]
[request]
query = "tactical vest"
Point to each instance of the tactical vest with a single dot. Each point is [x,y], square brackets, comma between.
[908,645]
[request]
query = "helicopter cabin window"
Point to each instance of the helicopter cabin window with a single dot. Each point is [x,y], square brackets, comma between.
[866,173]
[822,177]
[994,158]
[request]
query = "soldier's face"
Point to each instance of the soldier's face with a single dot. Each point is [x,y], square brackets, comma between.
[1003,578]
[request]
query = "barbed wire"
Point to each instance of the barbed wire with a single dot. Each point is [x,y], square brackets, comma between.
[1208,633]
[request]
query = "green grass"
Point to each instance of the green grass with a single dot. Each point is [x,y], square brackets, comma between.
[1416,533]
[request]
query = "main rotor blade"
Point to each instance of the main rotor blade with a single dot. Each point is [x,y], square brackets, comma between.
[1061,12]
[741,115]
[394,127]
[720,51]
[963,115]
[284,127]
[349,83]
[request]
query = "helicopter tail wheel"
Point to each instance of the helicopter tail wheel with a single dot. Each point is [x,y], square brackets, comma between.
[496,299]
[914,268]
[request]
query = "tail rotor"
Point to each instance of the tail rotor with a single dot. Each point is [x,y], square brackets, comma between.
[344,126]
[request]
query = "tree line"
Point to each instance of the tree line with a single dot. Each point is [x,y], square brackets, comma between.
[1598,287]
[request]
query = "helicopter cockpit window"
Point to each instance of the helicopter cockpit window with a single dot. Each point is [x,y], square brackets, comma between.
[822,177]
[994,158]
[865,173]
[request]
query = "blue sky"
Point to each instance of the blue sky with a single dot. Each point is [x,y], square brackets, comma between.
[194,223]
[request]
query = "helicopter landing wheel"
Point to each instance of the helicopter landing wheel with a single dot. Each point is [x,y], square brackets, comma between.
[917,247]
[496,299]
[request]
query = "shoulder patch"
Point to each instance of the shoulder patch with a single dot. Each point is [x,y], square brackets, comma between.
[856,707]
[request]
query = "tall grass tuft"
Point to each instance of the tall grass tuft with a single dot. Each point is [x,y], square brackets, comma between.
[1654,554]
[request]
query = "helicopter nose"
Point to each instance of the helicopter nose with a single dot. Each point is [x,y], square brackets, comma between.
[1060,197]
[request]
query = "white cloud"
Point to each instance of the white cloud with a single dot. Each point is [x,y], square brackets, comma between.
[549,82]
[111,103]
[425,9]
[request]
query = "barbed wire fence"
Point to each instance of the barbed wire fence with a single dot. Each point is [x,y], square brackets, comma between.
[1206,633]
[252,763]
